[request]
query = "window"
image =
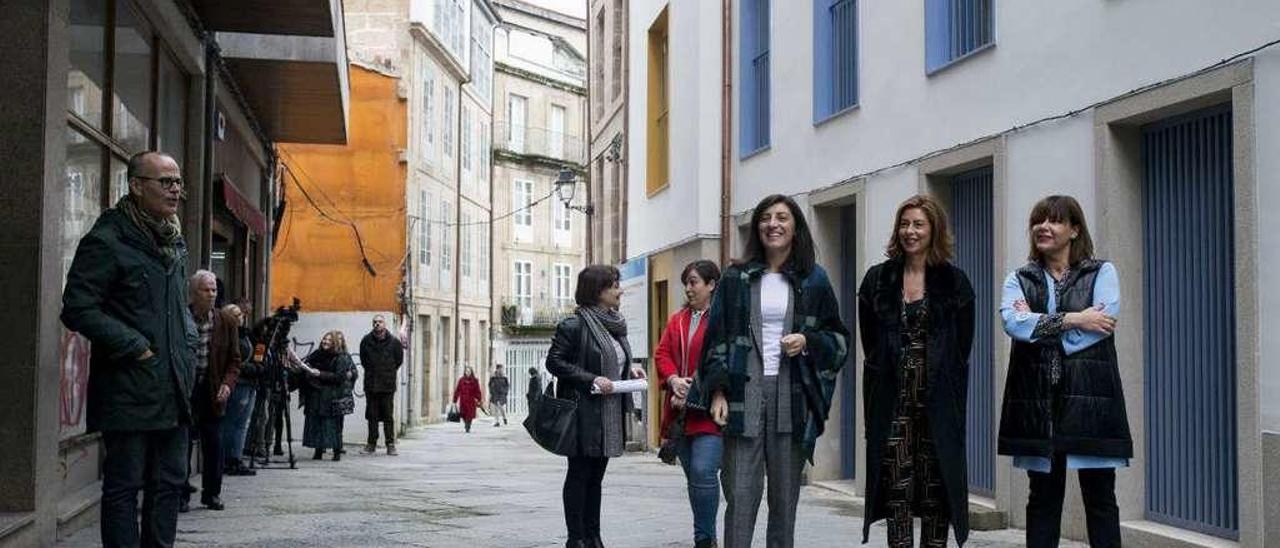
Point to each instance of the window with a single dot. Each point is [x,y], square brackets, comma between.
[955,29]
[597,66]
[516,109]
[835,57]
[618,15]
[466,138]
[556,135]
[446,244]
[481,54]
[448,121]
[484,154]
[465,249]
[560,224]
[451,16]
[424,237]
[173,109]
[428,109]
[560,286]
[522,289]
[658,126]
[521,203]
[754,98]
[483,255]
[133,80]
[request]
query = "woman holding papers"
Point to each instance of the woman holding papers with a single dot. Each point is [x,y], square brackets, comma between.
[774,344]
[589,352]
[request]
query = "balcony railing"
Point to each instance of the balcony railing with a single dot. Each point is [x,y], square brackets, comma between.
[534,313]
[536,141]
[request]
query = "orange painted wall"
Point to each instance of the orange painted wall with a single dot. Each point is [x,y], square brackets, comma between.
[317,259]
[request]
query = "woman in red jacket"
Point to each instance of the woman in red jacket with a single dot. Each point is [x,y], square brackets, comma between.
[467,396]
[678,354]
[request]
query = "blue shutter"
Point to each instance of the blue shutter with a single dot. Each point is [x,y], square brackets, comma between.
[956,28]
[1190,323]
[835,57]
[849,312]
[971,199]
[754,46]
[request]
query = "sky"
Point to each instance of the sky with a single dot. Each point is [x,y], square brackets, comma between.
[576,8]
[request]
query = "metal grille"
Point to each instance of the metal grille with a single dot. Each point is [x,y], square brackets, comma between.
[1190,323]
[844,58]
[970,25]
[971,199]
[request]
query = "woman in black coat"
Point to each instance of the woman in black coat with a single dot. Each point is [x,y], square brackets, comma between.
[915,315]
[327,395]
[588,353]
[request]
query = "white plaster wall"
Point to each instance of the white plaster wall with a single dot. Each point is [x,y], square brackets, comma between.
[883,194]
[1053,158]
[690,204]
[1050,58]
[1266,88]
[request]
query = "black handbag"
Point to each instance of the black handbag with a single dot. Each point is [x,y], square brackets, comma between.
[453,414]
[553,423]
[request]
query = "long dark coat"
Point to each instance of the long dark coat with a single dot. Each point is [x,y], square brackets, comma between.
[381,359]
[951,317]
[576,366]
[124,297]
[333,382]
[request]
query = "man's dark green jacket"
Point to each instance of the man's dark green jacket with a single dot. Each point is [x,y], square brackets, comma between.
[126,298]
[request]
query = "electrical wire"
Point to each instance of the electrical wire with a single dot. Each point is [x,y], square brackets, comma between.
[364,256]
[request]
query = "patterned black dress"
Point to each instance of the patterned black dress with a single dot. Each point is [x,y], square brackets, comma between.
[912,478]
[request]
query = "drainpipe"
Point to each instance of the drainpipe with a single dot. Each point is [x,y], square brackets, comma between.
[726,125]
[206,175]
[457,229]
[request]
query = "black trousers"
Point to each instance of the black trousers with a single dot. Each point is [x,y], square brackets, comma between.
[582,496]
[380,407]
[151,462]
[209,430]
[1044,507]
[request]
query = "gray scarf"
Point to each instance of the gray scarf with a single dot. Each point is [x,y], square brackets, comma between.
[166,233]
[606,326]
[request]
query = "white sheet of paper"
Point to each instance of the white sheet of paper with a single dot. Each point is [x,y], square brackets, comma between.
[625,387]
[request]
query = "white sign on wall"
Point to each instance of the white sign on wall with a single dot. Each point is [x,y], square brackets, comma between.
[635,304]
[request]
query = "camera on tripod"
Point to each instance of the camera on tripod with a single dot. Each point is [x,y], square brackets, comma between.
[271,349]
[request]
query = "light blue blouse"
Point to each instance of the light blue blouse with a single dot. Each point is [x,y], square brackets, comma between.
[1021,326]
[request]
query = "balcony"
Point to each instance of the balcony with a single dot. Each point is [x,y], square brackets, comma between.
[528,314]
[539,143]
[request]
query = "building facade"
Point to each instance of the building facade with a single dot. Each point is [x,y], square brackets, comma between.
[851,107]
[539,131]
[607,185]
[106,80]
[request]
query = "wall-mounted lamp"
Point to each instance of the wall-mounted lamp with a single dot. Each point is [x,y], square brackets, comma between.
[566,186]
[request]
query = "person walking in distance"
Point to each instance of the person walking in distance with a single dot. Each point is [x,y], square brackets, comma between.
[499,386]
[468,397]
[381,356]
[217,368]
[126,292]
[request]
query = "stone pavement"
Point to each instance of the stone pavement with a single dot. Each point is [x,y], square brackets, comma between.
[490,488]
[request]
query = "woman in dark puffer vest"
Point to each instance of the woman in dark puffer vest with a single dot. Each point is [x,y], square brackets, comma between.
[1063,404]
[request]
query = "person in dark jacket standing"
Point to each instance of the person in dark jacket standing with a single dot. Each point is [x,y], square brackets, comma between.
[217,367]
[1063,402]
[326,394]
[915,317]
[381,355]
[126,292]
[773,348]
[499,386]
[235,426]
[588,353]
[535,387]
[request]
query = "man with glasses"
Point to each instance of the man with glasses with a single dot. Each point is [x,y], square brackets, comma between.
[126,292]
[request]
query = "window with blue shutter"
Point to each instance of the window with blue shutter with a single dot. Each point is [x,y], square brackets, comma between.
[955,29]
[754,58]
[835,57]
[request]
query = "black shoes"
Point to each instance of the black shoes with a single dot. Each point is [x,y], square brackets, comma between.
[706,543]
[238,469]
[593,543]
[319,454]
[337,455]
[184,506]
[212,503]
[278,451]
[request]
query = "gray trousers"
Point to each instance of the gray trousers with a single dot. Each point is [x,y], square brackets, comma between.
[747,461]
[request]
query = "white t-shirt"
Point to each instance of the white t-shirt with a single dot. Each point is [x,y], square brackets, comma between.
[774,294]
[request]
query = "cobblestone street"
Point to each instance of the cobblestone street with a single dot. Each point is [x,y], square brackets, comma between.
[492,488]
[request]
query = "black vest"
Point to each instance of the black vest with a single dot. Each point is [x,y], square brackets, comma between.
[1084,414]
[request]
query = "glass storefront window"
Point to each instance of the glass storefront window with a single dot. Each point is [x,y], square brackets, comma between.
[173,109]
[133,76]
[82,205]
[86,79]
[119,180]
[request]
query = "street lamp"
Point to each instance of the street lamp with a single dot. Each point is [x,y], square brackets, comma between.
[566,185]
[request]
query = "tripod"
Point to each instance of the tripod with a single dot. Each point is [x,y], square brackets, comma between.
[277,383]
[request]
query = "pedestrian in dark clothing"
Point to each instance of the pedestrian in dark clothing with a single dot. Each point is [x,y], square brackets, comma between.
[126,292]
[381,355]
[499,386]
[217,367]
[774,346]
[915,316]
[468,397]
[588,353]
[1063,401]
[326,394]
[235,425]
[535,386]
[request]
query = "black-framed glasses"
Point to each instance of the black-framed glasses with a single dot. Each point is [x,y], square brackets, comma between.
[165,182]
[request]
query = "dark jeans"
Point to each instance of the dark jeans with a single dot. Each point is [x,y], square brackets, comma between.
[700,457]
[582,496]
[235,425]
[1044,507]
[209,429]
[153,463]
[381,408]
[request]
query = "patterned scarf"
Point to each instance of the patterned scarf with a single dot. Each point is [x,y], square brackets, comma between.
[166,233]
[607,326]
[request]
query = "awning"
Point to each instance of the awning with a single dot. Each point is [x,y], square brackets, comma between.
[241,207]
